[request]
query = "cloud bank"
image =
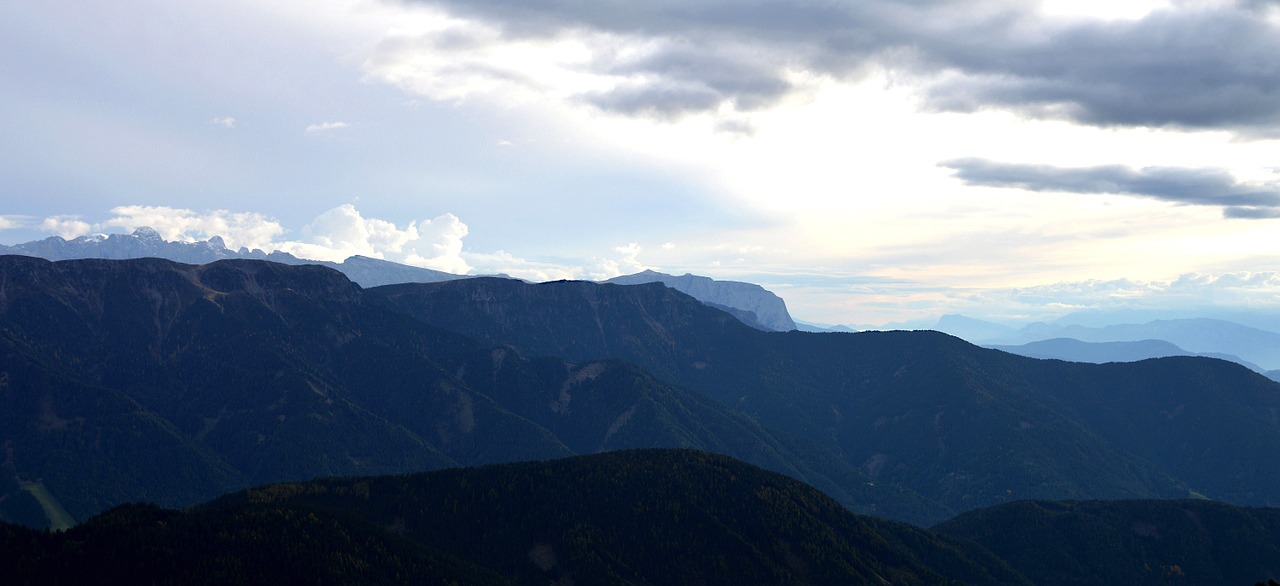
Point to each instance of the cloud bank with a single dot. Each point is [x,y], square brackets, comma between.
[238,229]
[343,232]
[1204,187]
[670,58]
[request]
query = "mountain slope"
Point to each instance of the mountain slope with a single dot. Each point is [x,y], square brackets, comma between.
[247,371]
[961,425]
[1098,543]
[632,517]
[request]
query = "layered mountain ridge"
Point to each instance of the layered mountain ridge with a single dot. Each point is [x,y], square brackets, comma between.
[213,377]
[964,426]
[748,302]
[243,372]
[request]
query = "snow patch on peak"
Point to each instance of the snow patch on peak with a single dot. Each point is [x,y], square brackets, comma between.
[147,233]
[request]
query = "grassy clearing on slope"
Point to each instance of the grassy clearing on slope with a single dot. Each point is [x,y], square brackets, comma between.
[59,519]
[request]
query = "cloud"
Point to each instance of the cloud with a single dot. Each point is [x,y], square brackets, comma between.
[11,222]
[441,245]
[504,263]
[1189,292]
[343,232]
[237,229]
[224,121]
[334,235]
[67,227]
[1200,65]
[324,127]
[1205,187]
[625,261]
[1197,66]
[626,264]
[1192,294]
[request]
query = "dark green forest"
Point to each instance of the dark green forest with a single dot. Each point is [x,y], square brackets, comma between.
[634,517]
[629,517]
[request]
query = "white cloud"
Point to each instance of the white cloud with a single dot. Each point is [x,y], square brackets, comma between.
[626,264]
[67,227]
[224,121]
[594,269]
[334,235]
[237,229]
[877,302]
[322,127]
[505,263]
[343,232]
[11,222]
[440,245]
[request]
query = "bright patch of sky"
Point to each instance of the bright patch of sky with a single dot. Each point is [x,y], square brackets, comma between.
[872,162]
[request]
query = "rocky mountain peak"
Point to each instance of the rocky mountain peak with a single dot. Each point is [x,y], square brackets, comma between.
[147,233]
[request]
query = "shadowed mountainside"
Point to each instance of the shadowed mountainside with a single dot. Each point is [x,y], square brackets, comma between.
[148,379]
[152,380]
[1128,542]
[962,425]
[630,517]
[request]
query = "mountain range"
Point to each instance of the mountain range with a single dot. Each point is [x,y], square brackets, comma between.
[148,379]
[765,310]
[1257,349]
[153,380]
[964,426]
[1198,335]
[750,303]
[1074,350]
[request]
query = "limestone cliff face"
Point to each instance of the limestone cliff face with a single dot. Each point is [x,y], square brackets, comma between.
[769,310]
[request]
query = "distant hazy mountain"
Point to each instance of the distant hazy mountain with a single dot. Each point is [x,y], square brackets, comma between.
[769,310]
[1100,352]
[1262,319]
[147,243]
[1199,336]
[973,330]
[819,328]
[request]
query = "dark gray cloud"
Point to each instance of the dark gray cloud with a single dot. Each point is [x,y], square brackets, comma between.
[1194,68]
[1205,187]
[1191,66]
[683,77]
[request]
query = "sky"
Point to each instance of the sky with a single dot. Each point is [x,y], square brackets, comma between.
[872,162]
